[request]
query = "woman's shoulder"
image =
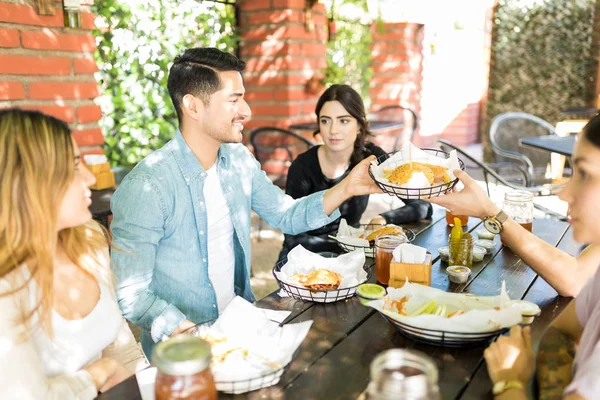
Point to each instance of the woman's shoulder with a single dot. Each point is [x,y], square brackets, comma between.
[372,149]
[308,159]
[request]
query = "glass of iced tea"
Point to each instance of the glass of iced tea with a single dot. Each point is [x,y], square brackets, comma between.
[518,204]
[384,246]
[464,219]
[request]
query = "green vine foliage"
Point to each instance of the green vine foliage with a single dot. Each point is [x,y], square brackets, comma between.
[543,58]
[349,56]
[137,43]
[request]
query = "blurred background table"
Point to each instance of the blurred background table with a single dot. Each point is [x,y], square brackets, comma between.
[555,144]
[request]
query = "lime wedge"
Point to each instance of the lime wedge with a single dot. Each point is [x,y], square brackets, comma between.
[370,291]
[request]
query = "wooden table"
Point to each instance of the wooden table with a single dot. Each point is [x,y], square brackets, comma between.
[333,361]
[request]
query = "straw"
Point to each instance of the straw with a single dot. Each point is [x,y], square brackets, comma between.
[410,155]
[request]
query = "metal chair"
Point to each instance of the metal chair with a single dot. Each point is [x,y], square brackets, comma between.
[398,114]
[491,173]
[506,130]
[275,149]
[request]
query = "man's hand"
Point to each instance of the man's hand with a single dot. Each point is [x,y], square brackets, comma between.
[511,357]
[471,201]
[358,182]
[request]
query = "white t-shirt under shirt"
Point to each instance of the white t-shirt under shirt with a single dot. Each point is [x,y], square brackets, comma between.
[220,240]
[586,367]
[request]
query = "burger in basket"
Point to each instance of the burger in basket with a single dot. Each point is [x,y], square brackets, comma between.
[319,279]
[416,173]
[389,229]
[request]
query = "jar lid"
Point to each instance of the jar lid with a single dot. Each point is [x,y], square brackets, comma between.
[401,373]
[390,241]
[182,355]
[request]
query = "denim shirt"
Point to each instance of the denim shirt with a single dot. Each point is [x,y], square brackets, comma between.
[160,255]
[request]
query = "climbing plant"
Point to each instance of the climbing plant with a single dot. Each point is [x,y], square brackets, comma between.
[349,55]
[543,58]
[137,42]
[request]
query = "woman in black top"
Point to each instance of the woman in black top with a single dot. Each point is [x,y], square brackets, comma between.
[344,130]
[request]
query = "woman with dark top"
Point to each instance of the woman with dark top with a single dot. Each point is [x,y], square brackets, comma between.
[343,127]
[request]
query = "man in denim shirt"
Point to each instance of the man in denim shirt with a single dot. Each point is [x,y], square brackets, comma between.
[166,261]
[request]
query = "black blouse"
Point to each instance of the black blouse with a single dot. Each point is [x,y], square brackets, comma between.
[306,177]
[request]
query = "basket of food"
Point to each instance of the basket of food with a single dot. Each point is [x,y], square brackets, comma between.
[249,350]
[310,277]
[363,237]
[414,173]
[445,319]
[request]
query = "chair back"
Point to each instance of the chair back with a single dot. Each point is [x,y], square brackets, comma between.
[275,149]
[506,130]
[396,114]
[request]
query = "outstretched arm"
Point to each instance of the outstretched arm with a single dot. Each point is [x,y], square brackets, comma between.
[565,273]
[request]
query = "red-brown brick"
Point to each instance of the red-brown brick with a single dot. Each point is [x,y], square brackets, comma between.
[66,113]
[34,65]
[9,38]
[89,137]
[11,91]
[48,40]
[63,90]
[89,113]
[27,15]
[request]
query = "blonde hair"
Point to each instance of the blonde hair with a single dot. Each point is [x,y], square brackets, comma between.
[37,166]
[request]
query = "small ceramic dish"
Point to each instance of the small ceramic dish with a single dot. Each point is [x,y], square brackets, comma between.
[458,274]
[484,234]
[370,291]
[528,310]
[488,245]
[478,253]
[444,253]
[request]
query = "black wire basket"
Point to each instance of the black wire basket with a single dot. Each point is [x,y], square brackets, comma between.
[444,338]
[415,193]
[263,380]
[370,250]
[321,296]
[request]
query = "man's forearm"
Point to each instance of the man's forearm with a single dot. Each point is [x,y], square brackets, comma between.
[554,363]
[335,196]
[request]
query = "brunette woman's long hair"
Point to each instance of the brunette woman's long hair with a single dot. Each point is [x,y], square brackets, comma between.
[37,165]
[353,103]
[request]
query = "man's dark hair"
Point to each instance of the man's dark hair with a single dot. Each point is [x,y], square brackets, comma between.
[195,72]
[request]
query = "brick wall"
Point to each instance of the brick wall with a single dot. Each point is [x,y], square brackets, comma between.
[397,68]
[284,46]
[47,67]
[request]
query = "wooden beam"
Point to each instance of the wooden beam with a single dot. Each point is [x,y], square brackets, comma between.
[46,7]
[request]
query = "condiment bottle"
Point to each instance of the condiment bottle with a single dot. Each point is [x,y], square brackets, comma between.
[183,369]
[401,374]
[384,246]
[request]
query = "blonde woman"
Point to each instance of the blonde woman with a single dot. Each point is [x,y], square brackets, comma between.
[58,314]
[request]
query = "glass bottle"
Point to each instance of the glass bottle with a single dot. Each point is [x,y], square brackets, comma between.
[384,246]
[183,369]
[464,219]
[460,251]
[400,374]
[72,13]
[518,204]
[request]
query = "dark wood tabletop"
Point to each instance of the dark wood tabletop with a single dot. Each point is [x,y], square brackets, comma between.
[374,126]
[556,144]
[333,361]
